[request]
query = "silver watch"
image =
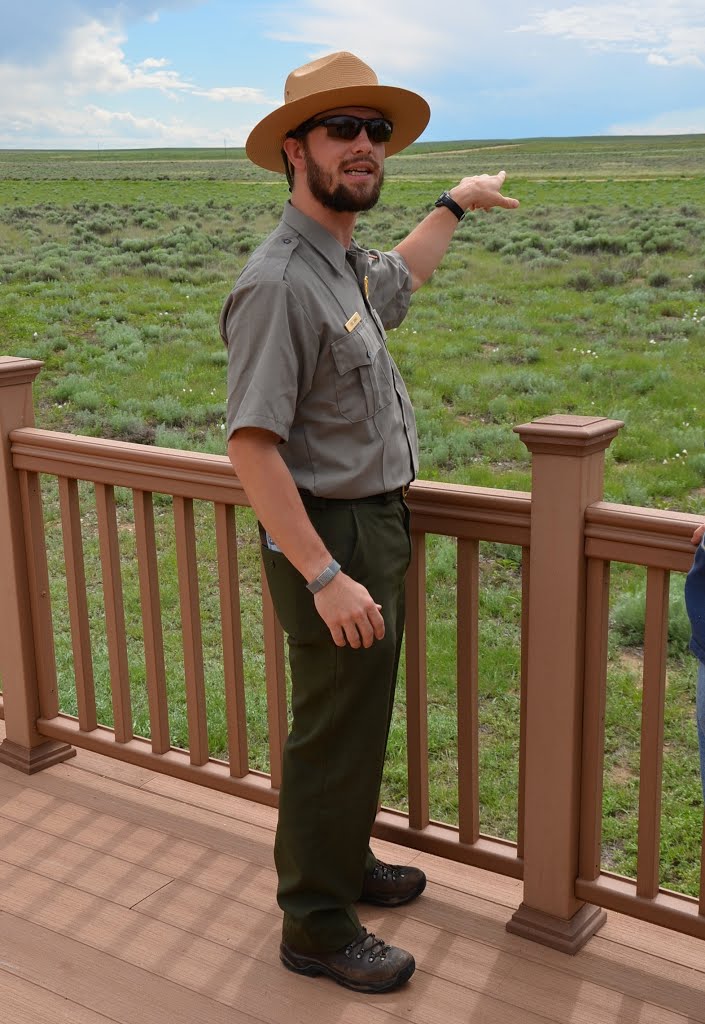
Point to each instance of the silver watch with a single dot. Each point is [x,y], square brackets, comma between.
[324,578]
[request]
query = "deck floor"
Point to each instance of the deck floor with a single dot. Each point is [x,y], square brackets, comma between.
[129,897]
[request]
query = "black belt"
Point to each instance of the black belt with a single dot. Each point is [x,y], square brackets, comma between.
[314,501]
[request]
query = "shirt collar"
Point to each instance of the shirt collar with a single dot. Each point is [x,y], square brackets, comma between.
[316,235]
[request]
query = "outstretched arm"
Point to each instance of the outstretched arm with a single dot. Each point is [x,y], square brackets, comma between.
[346,607]
[424,248]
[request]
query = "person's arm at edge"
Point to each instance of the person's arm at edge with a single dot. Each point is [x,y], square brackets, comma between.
[344,605]
[425,246]
[697,536]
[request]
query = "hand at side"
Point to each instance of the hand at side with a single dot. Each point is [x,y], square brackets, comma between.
[351,614]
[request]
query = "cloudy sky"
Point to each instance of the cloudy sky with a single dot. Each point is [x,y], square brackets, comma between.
[89,74]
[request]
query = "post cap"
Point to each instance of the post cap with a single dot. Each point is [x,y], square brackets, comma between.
[568,435]
[16,370]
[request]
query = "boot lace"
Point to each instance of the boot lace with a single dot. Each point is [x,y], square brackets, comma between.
[367,945]
[385,871]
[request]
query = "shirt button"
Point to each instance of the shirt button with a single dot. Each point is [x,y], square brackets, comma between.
[286,241]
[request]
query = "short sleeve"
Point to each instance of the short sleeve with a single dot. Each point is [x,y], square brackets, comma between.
[389,286]
[272,354]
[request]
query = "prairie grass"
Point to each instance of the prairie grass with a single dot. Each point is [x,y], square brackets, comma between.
[589,299]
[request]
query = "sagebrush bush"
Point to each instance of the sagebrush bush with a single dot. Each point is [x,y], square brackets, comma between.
[629,615]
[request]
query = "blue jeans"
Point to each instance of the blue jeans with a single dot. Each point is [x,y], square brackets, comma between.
[700,713]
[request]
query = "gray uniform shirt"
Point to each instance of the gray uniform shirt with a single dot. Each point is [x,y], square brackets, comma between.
[308,359]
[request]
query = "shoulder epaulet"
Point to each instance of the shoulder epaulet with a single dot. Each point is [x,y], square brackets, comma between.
[275,258]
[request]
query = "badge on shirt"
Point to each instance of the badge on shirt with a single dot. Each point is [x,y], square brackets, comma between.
[353,322]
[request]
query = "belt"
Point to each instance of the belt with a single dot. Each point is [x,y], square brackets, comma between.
[314,501]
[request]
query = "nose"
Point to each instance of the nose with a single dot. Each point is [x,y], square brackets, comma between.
[362,142]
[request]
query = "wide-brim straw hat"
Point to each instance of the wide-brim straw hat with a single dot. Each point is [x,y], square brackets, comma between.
[337,80]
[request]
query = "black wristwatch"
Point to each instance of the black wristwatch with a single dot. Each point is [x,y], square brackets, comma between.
[446,199]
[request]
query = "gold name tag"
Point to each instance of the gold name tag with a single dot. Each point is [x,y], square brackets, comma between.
[353,322]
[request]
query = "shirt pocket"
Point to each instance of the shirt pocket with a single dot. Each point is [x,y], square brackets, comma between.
[363,381]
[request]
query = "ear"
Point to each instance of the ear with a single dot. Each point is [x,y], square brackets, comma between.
[294,150]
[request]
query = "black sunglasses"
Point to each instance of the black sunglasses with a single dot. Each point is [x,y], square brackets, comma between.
[348,127]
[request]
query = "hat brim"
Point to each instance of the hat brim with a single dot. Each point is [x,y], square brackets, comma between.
[408,112]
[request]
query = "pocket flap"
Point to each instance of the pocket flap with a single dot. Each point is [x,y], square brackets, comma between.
[356,349]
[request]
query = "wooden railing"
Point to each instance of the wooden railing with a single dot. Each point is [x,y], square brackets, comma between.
[568,537]
[660,541]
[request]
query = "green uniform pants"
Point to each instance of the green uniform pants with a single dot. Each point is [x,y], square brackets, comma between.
[342,704]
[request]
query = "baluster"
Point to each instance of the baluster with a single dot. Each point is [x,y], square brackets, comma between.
[276,683]
[652,715]
[187,566]
[226,539]
[594,702]
[468,725]
[416,690]
[150,602]
[114,612]
[78,604]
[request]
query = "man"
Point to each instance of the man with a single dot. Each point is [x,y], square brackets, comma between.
[322,436]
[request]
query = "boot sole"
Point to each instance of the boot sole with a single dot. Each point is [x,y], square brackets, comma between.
[313,968]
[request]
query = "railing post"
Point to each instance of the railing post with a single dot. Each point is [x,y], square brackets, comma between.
[567,476]
[23,748]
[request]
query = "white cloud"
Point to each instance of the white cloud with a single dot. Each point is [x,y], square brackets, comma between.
[399,36]
[153,62]
[58,127]
[94,61]
[670,33]
[33,29]
[677,122]
[59,97]
[659,61]
[234,93]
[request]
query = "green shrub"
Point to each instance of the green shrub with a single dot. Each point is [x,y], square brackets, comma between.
[168,412]
[629,615]
[500,409]
[87,399]
[67,388]
[581,282]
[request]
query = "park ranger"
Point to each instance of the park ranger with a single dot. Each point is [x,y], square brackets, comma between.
[322,436]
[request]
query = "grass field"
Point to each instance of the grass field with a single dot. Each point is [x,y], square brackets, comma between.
[588,299]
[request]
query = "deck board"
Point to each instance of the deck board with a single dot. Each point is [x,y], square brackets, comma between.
[129,897]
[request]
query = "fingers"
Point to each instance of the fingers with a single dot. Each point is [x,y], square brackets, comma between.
[365,629]
[338,636]
[352,617]
[697,536]
[359,633]
[485,192]
[377,622]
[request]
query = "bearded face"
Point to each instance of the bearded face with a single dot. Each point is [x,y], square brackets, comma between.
[353,187]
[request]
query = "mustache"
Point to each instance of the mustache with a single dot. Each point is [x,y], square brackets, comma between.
[368,161]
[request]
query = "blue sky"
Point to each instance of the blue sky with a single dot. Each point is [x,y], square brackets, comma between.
[86,74]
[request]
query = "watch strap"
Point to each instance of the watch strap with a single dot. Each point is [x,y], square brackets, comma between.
[446,199]
[324,578]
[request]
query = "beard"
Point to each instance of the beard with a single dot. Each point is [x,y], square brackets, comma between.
[341,198]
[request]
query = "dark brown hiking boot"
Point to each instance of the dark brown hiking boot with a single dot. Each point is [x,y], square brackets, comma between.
[390,885]
[366,964]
